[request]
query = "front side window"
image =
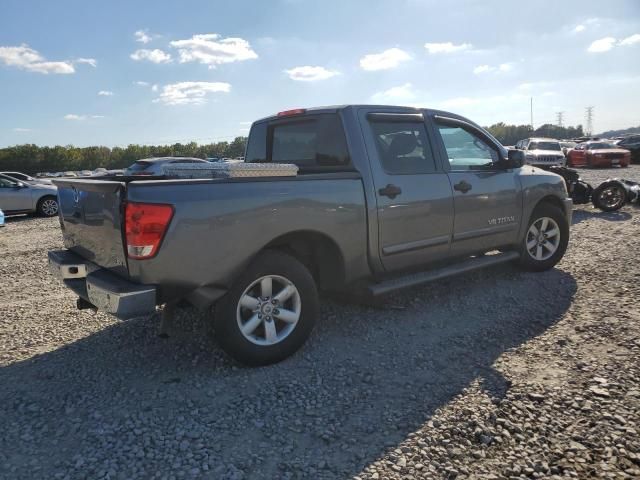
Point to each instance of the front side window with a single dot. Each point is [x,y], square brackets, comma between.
[466,150]
[403,147]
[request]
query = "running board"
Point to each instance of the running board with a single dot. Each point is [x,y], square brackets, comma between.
[474,263]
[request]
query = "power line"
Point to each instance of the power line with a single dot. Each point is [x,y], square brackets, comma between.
[559,118]
[589,120]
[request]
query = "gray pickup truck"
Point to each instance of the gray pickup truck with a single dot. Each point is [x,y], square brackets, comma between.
[385,198]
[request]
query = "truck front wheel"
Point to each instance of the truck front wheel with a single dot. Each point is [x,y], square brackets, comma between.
[546,239]
[269,312]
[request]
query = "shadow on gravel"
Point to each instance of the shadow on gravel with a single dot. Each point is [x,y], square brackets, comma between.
[582,215]
[126,400]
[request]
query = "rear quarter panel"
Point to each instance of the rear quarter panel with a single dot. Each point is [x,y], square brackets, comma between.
[219,226]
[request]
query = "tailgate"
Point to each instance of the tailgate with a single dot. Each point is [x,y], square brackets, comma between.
[91,219]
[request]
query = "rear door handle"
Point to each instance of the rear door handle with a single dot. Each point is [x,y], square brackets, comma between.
[462,186]
[391,191]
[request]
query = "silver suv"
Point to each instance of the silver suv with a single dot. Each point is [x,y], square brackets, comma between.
[542,152]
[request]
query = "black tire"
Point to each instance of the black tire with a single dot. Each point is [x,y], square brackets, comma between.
[226,323]
[527,260]
[609,196]
[45,208]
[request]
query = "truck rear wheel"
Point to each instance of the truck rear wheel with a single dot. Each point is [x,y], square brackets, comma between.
[269,312]
[546,239]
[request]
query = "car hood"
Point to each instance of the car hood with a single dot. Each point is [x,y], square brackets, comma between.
[545,152]
[609,150]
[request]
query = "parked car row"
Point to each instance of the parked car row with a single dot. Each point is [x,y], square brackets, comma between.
[547,152]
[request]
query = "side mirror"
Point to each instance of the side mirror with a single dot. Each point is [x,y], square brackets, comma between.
[515,158]
[21,185]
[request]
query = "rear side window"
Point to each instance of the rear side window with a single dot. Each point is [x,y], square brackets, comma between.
[403,147]
[315,143]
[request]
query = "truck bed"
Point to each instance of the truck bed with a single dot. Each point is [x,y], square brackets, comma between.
[217,227]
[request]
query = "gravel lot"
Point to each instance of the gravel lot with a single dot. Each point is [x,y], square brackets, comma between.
[495,374]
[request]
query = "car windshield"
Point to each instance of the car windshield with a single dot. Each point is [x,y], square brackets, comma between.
[139,166]
[600,146]
[544,146]
[568,144]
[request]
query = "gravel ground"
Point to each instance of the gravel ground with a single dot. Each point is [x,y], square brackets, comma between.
[497,374]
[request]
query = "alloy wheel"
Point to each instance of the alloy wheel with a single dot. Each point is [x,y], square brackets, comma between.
[268,310]
[543,238]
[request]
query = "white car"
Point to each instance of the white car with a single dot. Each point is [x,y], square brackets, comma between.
[23,177]
[542,152]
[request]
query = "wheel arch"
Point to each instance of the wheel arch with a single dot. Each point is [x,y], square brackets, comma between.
[550,200]
[317,251]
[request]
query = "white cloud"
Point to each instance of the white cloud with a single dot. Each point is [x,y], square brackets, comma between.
[401,93]
[446,47]
[21,130]
[386,60]
[140,83]
[482,69]
[631,40]
[29,59]
[75,117]
[603,45]
[105,93]
[154,87]
[503,67]
[142,36]
[308,73]
[89,61]
[211,49]
[579,28]
[190,93]
[156,55]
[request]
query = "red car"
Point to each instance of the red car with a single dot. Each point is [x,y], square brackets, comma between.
[598,154]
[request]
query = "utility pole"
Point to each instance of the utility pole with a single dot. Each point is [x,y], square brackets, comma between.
[559,118]
[589,120]
[532,114]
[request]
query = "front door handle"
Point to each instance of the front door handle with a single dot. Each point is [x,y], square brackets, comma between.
[391,191]
[462,186]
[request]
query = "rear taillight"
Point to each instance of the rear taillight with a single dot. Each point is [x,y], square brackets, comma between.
[145,225]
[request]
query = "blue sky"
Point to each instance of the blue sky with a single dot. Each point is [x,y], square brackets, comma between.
[120,72]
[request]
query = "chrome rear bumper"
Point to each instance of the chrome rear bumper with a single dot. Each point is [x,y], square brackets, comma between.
[100,287]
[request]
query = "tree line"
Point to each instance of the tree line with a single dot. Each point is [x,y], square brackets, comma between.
[510,134]
[33,159]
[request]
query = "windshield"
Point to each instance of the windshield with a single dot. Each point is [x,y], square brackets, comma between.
[139,166]
[568,144]
[600,146]
[544,146]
